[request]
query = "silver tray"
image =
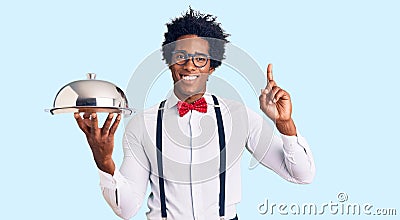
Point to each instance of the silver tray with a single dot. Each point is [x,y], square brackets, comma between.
[90,95]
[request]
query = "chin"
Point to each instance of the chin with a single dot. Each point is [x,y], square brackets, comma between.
[187,92]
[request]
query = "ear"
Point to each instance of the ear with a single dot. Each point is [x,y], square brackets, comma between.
[211,70]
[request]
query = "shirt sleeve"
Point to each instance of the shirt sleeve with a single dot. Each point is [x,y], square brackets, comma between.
[125,190]
[289,156]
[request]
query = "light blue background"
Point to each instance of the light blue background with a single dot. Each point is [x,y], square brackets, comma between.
[338,59]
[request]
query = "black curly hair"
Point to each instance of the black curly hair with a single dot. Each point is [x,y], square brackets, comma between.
[202,25]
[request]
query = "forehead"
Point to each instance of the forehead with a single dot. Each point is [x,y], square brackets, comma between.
[192,44]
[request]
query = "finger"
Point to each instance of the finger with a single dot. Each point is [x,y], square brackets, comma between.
[86,115]
[115,124]
[263,100]
[107,123]
[269,72]
[95,124]
[281,94]
[270,85]
[86,119]
[272,94]
[80,123]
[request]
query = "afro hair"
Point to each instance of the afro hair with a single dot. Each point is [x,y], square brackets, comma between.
[202,25]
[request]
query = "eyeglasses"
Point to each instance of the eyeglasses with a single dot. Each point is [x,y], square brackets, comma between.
[181,57]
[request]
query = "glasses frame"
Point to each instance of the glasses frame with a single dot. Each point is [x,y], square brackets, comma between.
[190,55]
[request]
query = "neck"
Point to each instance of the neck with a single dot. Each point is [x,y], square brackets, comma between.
[190,99]
[194,98]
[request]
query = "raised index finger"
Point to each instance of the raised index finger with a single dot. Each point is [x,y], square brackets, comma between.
[269,73]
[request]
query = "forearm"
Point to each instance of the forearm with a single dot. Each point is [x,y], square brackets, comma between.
[286,127]
[121,194]
[298,159]
[106,165]
[288,156]
[297,155]
[125,190]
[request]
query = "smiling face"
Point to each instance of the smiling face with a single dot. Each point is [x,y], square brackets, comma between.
[189,80]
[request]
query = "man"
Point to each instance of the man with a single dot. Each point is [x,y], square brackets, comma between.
[189,146]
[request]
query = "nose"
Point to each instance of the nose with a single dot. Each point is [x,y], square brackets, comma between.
[189,65]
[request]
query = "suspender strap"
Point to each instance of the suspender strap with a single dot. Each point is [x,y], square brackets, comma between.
[159,159]
[222,157]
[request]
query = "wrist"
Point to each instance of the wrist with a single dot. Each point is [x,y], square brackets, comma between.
[286,127]
[106,165]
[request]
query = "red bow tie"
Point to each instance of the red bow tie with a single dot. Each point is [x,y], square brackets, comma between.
[199,105]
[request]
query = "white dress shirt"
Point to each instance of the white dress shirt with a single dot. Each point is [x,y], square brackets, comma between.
[191,160]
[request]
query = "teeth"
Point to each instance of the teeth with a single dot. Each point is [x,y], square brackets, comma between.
[189,77]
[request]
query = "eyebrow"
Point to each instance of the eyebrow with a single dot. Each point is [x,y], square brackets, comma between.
[184,51]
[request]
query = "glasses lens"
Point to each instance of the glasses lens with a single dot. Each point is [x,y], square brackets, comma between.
[179,57]
[200,60]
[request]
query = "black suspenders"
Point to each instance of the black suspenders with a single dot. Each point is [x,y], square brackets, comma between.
[222,157]
[159,160]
